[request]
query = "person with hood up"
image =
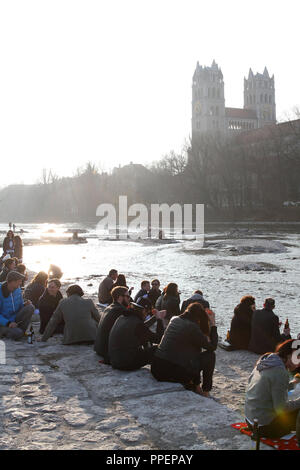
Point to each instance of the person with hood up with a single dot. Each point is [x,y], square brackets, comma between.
[267,393]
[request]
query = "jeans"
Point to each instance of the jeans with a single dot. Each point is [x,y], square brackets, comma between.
[166,371]
[23,319]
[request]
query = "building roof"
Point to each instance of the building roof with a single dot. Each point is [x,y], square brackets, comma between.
[270,131]
[240,113]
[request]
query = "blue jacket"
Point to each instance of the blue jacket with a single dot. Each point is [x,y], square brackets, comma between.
[10,306]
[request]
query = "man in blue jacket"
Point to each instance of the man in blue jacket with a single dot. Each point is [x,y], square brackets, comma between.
[15,315]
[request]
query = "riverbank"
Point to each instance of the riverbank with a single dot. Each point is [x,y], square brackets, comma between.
[61,397]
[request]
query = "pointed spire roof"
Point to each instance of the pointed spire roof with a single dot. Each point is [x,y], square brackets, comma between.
[266,73]
[250,73]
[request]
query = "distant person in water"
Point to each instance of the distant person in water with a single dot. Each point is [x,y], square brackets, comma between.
[54,272]
[105,287]
[9,244]
[144,290]
[240,329]
[80,316]
[130,336]
[180,356]
[121,299]
[35,289]
[267,393]
[9,265]
[169,301]
[265,329]
[48,303]
[196,297]
[154,292]
[15,314]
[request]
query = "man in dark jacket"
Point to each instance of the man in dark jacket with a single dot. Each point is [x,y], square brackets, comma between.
[105,287]
[265,333]
[119,306]
[196,297]
[128,340]
[144,290]
[154,292]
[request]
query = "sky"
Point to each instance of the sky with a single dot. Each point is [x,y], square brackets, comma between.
[110,81]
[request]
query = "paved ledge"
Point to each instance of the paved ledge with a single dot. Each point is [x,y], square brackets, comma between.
[60,397]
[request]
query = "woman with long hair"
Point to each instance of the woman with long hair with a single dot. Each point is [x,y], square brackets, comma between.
[180,356]
[9,244]
[240,330]
[36,288]
[267,393]
[169,301]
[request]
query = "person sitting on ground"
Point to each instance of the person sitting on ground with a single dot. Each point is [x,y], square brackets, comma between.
[9,265]
[267,393]
[265,332]
[128,346]
[15,314]
[121,282]
[18,248]
[21,268]
[169,301]
[180,357]
[54,272]
[80,316]
[35,289]
[9,244]
[48,303]
[144,290]
[105,287]
[196,297]
[240,329]
[121,299]
[154,292]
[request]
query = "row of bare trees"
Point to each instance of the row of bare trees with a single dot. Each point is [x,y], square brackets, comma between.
[247,172]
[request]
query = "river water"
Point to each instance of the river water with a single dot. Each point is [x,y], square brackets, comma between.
[257,259]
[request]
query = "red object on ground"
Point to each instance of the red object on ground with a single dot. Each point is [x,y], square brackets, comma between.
[101,361]
[278,444]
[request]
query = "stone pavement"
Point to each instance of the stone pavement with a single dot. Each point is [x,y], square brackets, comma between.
[60,397]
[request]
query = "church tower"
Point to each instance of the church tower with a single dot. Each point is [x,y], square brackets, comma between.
[259,95]
[208,103]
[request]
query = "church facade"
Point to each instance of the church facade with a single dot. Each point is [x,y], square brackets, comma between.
[209,113]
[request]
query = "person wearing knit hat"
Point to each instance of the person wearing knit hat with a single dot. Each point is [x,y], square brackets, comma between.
[15,315]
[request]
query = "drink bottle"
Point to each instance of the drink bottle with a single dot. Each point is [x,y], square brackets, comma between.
[286,325]
[29,337]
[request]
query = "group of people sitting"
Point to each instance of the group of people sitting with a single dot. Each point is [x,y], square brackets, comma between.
[177,340]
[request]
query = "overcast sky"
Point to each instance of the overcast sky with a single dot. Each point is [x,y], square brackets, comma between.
[110,81]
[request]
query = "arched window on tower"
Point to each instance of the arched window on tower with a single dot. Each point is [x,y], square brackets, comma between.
[261,98]
[218,93]
[270,99]
[213,92]
[250,99]
[266,98]
[208,92]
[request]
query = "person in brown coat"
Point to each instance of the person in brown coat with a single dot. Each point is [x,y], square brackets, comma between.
[80,315]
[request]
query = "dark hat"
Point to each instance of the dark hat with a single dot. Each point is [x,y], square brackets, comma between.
[14,276]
